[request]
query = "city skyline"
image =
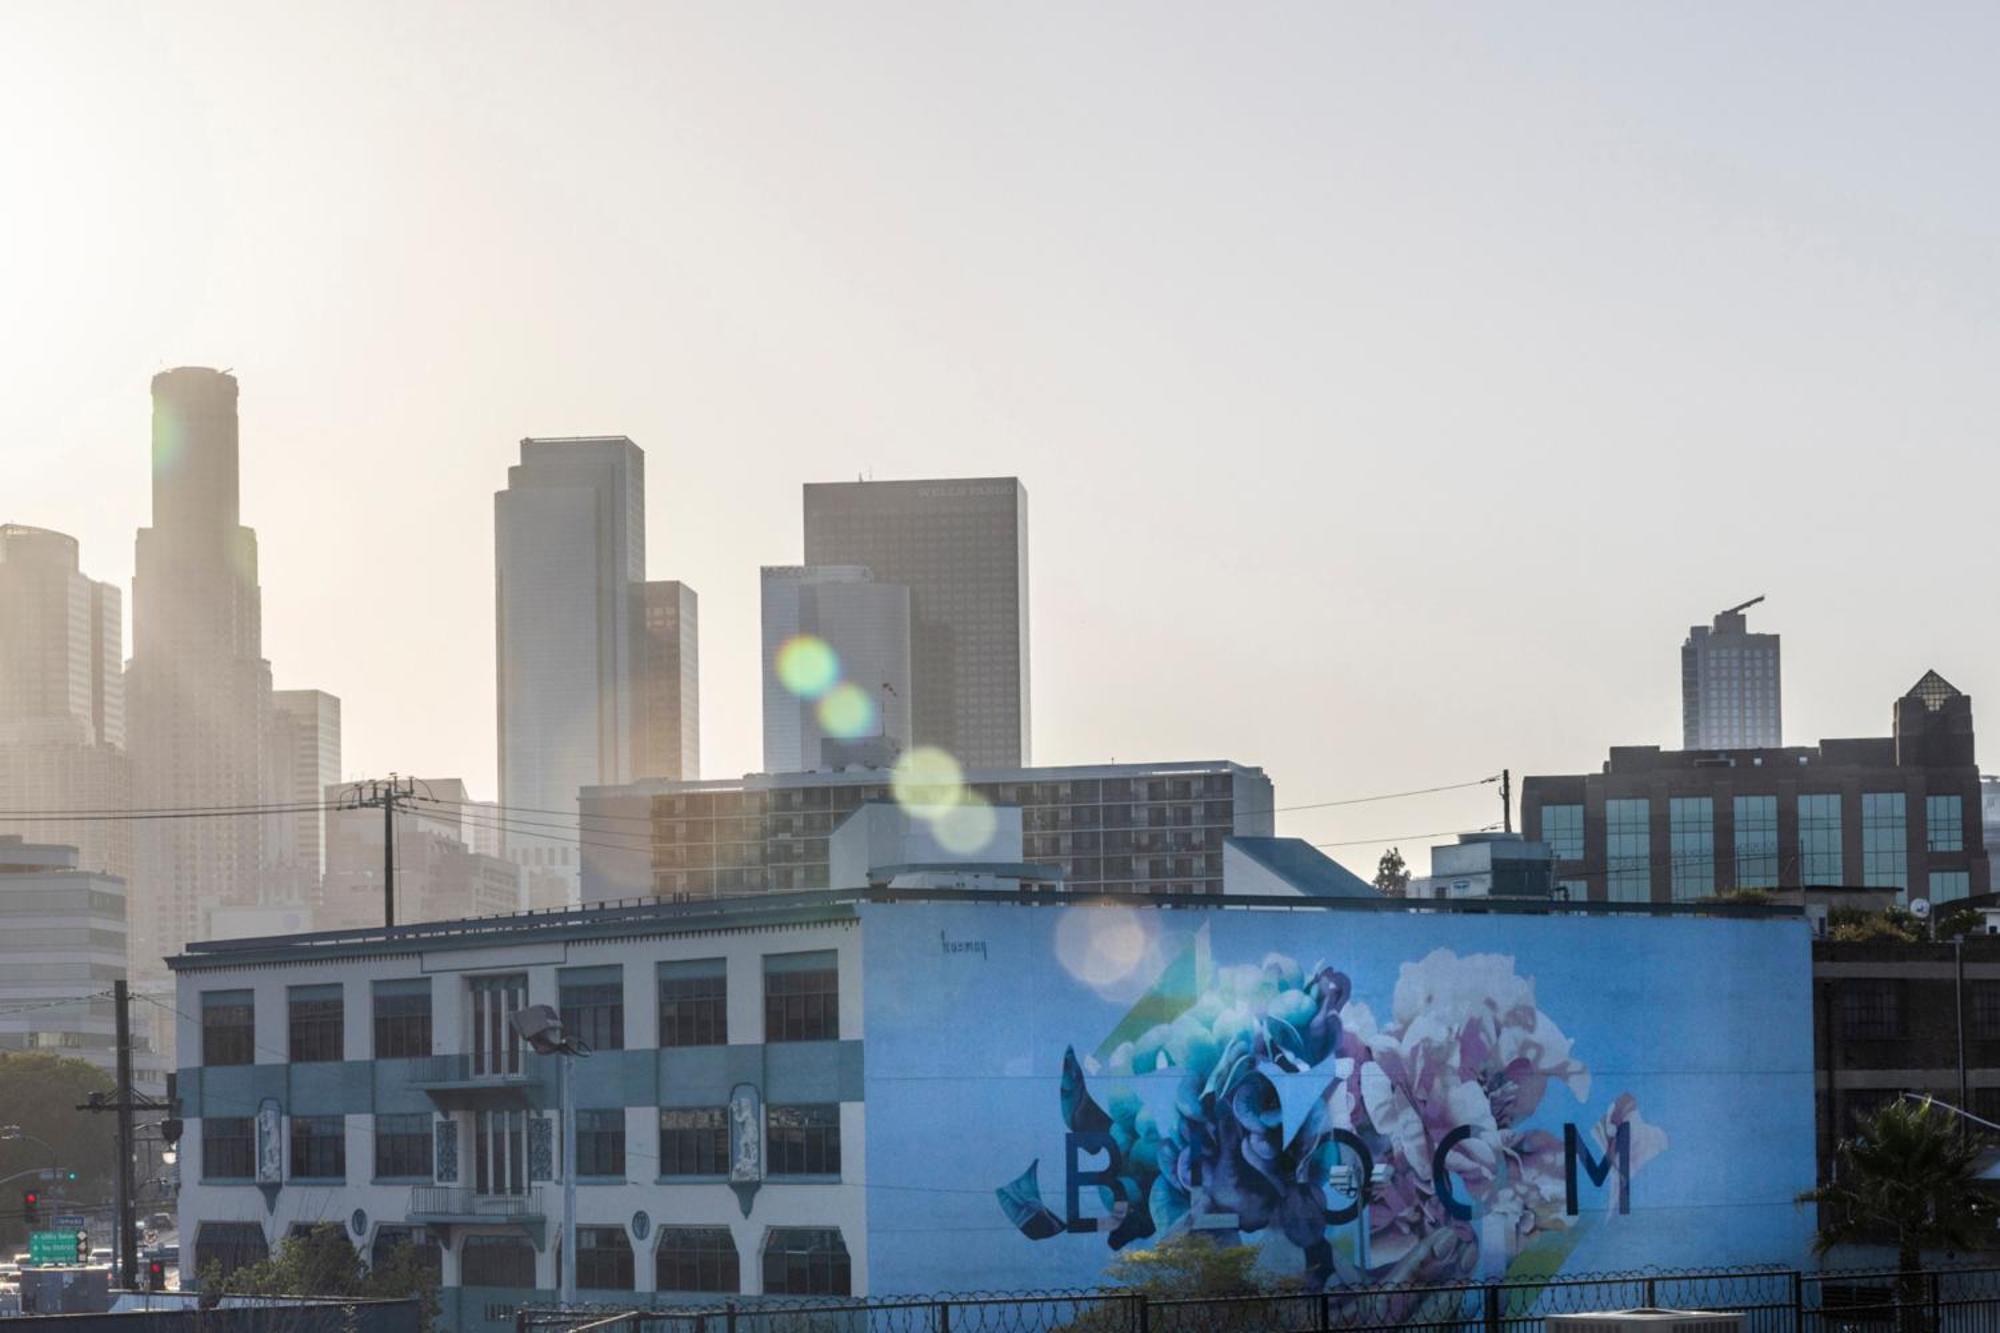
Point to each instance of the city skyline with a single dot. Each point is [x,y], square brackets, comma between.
[1336,404]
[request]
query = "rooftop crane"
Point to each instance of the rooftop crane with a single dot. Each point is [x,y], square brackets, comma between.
[1742,606]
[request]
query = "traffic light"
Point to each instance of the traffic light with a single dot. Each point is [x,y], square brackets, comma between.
[31,1208]
[156,1276]
[69,1176]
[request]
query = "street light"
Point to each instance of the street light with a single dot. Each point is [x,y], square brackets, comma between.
[9,1133]
[541,1027]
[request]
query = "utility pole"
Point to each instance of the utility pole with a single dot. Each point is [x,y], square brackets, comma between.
[125,1103]
[1506,801]
[387,795]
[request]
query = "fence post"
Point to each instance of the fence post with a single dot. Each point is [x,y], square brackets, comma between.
[1325,1312]
[1932,1279]
[1798,1301]
[1492,1303]
[1652,1295]
[1145,1323]
[944,1317]
[729,1316]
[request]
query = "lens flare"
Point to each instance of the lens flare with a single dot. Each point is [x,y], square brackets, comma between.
[807,666]
[847,712]
[927,778]
[966,827]
[1102,946]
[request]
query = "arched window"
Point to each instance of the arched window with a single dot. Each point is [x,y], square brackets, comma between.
[806,1261]
[228,1246]
[696,1259]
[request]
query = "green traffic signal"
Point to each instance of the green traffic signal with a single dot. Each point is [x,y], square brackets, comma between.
[69,1175]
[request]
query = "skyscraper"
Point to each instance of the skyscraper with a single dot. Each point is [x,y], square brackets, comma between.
[1730,696]
[198,686]
[867,625]
[669,705]
[62,698]
[304,745]
[961,547]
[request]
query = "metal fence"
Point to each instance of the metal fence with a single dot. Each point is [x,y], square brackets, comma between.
[1770,1300]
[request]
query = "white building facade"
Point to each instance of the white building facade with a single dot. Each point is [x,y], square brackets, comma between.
[866,624]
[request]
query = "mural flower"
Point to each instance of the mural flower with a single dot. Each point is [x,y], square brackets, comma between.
[1467,1058]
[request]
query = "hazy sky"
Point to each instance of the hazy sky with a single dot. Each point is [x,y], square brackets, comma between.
[1393,384]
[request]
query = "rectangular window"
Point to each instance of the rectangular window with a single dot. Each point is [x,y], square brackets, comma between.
[1871,1009]
[1628,859]
[806,1261]
[496,1261]
[1948,886]
[603,1259]
[1982,1010]
[1562,830]
[1819,840]
[402,1018]
[314,1015]
[403,1146]
[593,1006]
[694,1141]
[319,1147]
[227,1148]
[802,1140]
[697,1259]
[802,997]
[1944,823]
[694,1003]
[1691,843]
[1885,841]
[228,1027]
[1756,842]
[600,1143]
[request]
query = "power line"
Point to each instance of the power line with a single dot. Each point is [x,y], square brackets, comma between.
[220,812]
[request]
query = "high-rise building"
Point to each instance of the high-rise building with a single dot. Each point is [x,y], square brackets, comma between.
[570,546]
[439,876]
[62,698]
[304,743]
[198,688]
[668,711]
[961,547]
[867,626]
[1729,685]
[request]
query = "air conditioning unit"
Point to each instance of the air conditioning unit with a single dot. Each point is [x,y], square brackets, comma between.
[1646,1321]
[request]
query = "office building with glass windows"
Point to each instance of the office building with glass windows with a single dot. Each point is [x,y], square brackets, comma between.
[1900,812]
[1730,689]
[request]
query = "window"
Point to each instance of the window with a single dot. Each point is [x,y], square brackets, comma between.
[593,1006]
[1628,867]
[1871,1009]
[802,1140]
[696,1259]
[694,1004]
[228,1027]
[403,1146]
[1562,830]
[805,1261]
[1949,885]
[319,1147]
[1884,840]
[1756,842]
[1982,1009]
[1819,839]
[1944,823]
[603,1259]
[801,997]
[228,1246]
[402,1018]
[600,1144]
[497,1261]
[694,1141]
[313,1014]
[1573,890]
[1691,843]
[226,1148]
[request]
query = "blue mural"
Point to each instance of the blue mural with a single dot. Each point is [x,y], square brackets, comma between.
[1364,1097]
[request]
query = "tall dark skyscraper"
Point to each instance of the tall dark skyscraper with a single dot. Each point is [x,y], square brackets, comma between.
[198,687]
[961,547]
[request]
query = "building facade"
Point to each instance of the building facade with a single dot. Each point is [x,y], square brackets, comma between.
[669,703]
[198,688]
[440,874]
[1900,812]
[304,741]
[811,1096]
[62,698]
[866,625]
[1111,828]
[1730,689]
[961,547]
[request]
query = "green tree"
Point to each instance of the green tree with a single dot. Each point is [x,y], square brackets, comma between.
[322,1262]
[1189,1266]
[39,1091]
[1905,1178]
[1392,875]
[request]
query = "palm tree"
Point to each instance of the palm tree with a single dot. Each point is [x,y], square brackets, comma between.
[1908,1174]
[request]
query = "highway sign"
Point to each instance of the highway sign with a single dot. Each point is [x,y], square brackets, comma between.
[69,1222]
[53,1247]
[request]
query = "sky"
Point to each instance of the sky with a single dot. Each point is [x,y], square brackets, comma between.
[1393,385]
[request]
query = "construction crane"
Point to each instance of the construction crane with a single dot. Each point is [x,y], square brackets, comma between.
[1742,606]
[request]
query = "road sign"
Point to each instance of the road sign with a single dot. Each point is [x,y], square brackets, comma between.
[69,1222]
[54,1247]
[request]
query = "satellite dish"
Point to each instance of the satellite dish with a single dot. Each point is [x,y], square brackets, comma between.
[1920,908]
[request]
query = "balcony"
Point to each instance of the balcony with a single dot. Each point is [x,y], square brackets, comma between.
[454,1084]
[439,1208]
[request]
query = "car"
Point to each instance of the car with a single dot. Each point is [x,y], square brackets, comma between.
[101,1255]
[161,1221]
